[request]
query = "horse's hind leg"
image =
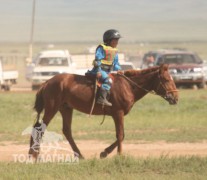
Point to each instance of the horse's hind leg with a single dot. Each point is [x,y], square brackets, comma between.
[67,113]
[39,129]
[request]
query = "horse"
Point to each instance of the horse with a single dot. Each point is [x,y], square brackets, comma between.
[65,92]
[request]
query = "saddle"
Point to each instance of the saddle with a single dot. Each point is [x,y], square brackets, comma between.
[92,77]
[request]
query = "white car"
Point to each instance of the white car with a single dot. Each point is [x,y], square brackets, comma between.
[47,64]
[8,76]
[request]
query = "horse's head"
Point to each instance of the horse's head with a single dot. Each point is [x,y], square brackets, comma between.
[165,86]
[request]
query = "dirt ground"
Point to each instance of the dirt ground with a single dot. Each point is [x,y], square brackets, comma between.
[92,148]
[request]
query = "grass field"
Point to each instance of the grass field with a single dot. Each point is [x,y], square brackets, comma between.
[124,168]
[134,48]
[151,120]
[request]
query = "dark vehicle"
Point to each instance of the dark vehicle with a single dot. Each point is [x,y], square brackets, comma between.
[187,68]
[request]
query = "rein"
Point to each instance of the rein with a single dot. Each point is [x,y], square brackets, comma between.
[135,84]
[148,91]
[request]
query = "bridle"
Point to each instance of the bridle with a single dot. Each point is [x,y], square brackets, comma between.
[165,89]
[151,91]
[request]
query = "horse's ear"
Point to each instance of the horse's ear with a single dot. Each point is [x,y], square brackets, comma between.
[164,67]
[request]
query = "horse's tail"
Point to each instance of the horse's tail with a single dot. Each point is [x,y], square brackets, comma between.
[39,102]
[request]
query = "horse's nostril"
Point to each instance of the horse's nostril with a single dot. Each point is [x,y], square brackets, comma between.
[171,99]
[175,100]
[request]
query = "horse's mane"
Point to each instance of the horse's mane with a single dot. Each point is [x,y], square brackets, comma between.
[132,72]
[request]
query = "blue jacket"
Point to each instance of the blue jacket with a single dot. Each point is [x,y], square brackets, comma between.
[100,54]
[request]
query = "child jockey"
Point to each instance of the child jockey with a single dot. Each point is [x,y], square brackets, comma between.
[106,60]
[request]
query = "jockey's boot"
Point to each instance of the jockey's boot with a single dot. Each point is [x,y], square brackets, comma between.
[102,98]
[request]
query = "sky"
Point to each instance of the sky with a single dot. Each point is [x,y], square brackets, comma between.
[86,20]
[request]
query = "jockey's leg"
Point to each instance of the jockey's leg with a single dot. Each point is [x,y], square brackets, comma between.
[104,90]
[102,97]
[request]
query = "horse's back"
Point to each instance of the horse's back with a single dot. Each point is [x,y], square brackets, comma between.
[67,81]
[67,77]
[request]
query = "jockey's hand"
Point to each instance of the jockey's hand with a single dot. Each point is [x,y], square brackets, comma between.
[120,72]
[98,75]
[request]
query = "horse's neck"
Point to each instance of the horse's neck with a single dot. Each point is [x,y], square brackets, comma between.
[149,80]
[146,82]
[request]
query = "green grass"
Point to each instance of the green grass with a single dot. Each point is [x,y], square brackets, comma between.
[151,119]
[118,167]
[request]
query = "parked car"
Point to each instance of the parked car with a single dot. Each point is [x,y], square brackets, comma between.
[8,75]
[186,67]
[47,64]
[135,59]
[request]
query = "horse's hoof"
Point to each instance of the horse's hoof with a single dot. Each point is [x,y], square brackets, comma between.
[33,154]
[81,157]
[103,154]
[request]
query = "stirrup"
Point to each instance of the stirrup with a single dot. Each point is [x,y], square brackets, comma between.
[104,103]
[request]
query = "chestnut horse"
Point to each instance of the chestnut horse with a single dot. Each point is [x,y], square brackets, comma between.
[65,92]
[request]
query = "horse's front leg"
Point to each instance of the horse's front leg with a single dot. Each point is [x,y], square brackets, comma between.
[119,125]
